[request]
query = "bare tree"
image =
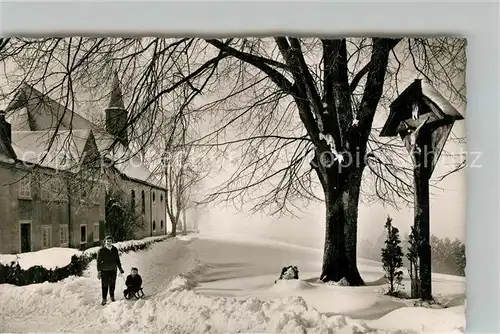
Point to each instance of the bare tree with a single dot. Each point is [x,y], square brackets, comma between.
[182,178]
[336,98]
[298,112]
[193,179]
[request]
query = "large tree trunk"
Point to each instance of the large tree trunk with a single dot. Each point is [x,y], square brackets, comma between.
[340,256]
[351,225]
[174,226]
[331,116]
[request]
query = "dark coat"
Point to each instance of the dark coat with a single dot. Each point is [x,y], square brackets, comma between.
[134,283]
[108,259]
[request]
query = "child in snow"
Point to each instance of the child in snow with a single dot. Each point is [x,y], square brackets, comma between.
[133,283]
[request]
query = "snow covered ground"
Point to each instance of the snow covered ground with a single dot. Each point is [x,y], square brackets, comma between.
[225,283]
[58,257]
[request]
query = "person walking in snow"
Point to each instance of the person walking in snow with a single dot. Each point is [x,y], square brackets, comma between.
[108,260]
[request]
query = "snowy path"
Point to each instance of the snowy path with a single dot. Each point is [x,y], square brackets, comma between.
[73,305]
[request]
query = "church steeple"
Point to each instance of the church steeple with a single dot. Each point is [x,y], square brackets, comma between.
[116,114]
[116,99]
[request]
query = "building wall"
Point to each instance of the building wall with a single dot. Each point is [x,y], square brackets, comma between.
[9,238]
[43,212]
[158,211]
[89,212]
[75,212]
[154,212]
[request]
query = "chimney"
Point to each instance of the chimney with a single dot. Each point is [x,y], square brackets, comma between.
[116,114]
[5,129]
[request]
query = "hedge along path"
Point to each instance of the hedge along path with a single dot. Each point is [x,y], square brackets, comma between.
[14,274]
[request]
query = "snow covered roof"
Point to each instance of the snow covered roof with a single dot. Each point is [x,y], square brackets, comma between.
[430,92]
[33,116]
[30,110]
[125,162]
[64,153]
[423,91]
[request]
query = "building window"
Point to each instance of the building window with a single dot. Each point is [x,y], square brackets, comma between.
[132,195]
[154,197]
[25,187]
[143,201]
[63,235]
[56,189]
[46,236]
[161,198]
[96,232]
[96,193]
[154,225]
[45,187]
[161,225]
[83,234]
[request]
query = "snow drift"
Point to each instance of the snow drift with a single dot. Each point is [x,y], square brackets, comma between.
[176,302]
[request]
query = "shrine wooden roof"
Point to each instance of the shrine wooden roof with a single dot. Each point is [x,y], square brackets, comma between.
[422,91]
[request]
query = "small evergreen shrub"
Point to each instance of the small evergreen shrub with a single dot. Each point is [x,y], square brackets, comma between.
[392,258]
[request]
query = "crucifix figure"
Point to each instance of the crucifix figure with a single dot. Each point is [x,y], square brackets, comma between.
[414,112]
[412,138]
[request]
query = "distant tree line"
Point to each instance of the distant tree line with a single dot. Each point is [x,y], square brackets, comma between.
[448,256]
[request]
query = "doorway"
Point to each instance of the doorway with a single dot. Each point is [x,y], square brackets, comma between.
[25,230]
